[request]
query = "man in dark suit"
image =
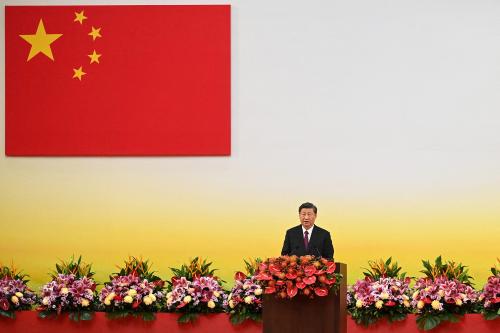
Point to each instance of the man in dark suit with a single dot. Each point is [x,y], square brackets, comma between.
[308,238]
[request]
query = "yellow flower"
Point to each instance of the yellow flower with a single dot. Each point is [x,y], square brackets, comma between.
[415,295]
[436,305]
[248,299]
[187,299]
[406,303]
[231,304]
[216,294]
[153,297]
[211,304]
[441,293]
[458,302]
[64,291]
[384,295]
[45,301]
[359,303]
[18,294]
[107,301]
[379,304]
[14,299]
[147,300]
[420,304]
[132,292]
[405,297]
[258,291]
[85,302]
[128,299]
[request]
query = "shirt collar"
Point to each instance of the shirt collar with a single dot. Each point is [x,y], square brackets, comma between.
[309,231]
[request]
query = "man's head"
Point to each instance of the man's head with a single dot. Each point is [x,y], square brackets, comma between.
[307,215]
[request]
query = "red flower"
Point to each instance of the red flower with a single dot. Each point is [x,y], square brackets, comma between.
[331,281]
[427,300]
[390,303]
[181,305]
[263,277]
[495,300]
[300,285]
[118,298]
[274,269]
[280,282]
[309,279]
[320,291]
[4,304]
[239,276]
[269,290]
[330,267]
[135,305]
[309,270]
[262,267]
[292,275]
[291,291]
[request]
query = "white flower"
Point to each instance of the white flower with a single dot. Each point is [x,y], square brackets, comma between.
[384,295]
[64,291]
[45,301]
[147,300]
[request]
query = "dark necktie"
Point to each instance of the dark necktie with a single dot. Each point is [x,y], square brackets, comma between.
[306,239]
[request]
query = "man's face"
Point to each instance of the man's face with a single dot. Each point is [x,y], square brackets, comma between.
[307,217]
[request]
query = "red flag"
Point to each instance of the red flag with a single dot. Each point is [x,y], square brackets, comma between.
[117,80]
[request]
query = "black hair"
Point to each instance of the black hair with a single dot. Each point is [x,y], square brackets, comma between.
[309,205]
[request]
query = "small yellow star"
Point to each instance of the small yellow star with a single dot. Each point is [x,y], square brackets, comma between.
[78,73]
[79,17]
[95,33]
[94,57]
[40,42]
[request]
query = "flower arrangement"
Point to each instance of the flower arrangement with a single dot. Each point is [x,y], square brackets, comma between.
[443,294]
[289,276]
[71,290]
[245,299]
[383,293]
[14,292]
[490,295]
[194,289]
[135,290]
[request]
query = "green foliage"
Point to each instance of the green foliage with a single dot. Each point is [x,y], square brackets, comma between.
[369,316]
[195,268]
[8,314]
[428,321]
[252,265]
[138,267]
[494,270]
[188,317]
[449,269]
[240,317]
[383,269]
[120,314]
[13,273]
[77,267]
[81,315]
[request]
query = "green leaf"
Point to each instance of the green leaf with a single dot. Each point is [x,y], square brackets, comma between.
[45,314]
[431,322]
[8,314]
[236,318]
[186,318]
[86,315]
[148,316]
[74,316]
[491,315]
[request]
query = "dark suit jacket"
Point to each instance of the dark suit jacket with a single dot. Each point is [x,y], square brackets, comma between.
[320,243]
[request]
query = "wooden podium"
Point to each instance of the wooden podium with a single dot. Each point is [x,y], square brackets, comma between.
[303,315]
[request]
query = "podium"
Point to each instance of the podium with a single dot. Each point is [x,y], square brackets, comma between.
[304,315]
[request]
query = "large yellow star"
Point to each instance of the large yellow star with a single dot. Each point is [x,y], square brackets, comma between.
[95,33]
[78,73]
[79,17]
[94,57]
[40,42]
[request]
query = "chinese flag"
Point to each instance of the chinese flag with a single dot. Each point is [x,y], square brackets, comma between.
[117,80]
